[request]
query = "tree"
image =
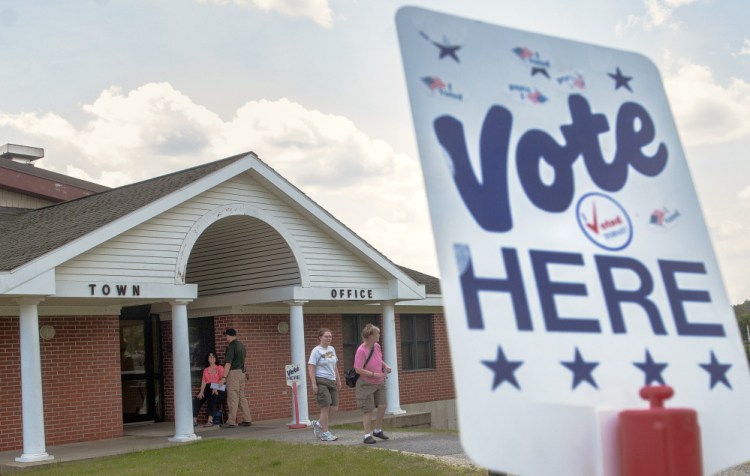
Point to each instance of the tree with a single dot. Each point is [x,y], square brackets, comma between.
[742,313]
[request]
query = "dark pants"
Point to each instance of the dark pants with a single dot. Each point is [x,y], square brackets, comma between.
[214,403]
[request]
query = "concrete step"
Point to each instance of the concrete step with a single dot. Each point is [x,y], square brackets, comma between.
[408,420]
[421,420]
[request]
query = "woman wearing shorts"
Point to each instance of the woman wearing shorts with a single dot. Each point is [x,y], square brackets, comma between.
[370,389]
[324,375]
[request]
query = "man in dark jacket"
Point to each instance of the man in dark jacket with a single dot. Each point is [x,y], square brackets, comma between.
[234,377]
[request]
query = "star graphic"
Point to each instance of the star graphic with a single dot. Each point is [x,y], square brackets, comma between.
[581,370]
[621,80]
[717,371]
[504,369]
[539,70]
[651,369]
[447,50]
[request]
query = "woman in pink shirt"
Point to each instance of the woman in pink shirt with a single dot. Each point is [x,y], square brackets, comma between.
[211,374]
[370,389]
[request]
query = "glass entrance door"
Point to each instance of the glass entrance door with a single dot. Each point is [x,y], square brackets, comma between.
[140,365]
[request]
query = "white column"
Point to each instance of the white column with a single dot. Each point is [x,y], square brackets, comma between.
[297,337]
[390,355]
[183,402]
[32,403]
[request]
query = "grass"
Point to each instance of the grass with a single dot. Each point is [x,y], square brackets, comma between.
[242,457]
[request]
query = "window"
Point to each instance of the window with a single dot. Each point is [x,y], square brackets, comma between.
[351,328]
[202,341]
[416,341]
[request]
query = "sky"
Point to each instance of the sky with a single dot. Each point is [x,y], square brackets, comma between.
[120,91]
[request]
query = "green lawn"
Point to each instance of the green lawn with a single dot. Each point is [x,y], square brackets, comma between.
[243,457]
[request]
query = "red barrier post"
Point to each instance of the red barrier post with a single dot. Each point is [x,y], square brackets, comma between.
[297,425]
[659,441]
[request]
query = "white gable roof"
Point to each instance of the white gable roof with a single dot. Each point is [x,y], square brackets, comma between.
[236,170]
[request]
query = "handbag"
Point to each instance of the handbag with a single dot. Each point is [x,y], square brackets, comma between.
[351,376]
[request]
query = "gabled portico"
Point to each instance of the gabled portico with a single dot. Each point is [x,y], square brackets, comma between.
[213,240]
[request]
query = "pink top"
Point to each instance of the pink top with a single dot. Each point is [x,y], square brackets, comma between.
[374,365]
[213,375]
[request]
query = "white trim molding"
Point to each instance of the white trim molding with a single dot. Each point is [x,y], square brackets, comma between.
[236,209]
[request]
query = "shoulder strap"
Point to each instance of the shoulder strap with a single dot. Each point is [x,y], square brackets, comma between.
[368,357]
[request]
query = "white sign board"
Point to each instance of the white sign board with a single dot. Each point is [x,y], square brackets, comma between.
[293,374]
[575,263]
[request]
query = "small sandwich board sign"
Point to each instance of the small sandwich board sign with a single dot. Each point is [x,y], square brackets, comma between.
[575,263]
[293,374]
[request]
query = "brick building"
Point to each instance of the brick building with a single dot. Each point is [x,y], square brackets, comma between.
[110,298]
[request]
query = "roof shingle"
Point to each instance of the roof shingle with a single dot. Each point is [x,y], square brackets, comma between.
[37,232]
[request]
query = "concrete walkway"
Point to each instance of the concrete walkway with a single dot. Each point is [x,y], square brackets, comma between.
[145,436]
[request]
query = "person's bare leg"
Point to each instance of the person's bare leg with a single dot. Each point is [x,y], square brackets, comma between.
[324,412]
[331,411]
[366,420]
[379,417]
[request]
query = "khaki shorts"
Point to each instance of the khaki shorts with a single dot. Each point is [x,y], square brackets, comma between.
[328,393]
[369,395]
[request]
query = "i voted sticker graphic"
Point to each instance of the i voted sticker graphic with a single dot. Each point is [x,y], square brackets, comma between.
[604,221]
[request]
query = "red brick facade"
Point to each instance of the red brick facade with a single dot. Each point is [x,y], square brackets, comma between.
[269,351]
[80,380]
[81,377]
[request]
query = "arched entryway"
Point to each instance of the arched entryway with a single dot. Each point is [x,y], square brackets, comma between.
[237,258]
[240,253]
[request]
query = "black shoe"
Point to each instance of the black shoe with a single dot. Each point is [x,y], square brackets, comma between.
[370,440]
[227,425]
[246,423]
[380,435]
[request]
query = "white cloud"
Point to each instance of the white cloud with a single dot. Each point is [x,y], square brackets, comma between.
[705,111]
[658,14]
[733,251]
[745,50]
[318,10]
[155,129]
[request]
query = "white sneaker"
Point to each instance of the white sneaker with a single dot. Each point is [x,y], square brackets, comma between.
[317,428]
[328,436]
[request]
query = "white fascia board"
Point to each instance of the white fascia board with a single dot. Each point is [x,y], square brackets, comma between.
[399,289]
[286,293]
[114,290]
[296,293]
[328,221]
[430,301]
[60,311]
[333,296]
[40,285]
[84,243]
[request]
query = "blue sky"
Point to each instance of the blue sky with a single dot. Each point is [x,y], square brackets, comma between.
[120,91]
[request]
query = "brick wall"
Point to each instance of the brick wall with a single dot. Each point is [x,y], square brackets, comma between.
[11,436]
[81,373]
[80,380]
[268,352]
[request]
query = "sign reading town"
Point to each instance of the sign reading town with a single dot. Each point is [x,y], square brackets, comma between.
[575,262]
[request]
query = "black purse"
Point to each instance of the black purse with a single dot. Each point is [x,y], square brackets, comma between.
[351,376]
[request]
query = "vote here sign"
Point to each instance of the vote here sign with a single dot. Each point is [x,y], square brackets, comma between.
[575,263]
[293,374]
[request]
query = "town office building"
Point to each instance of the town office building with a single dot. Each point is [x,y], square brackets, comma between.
[111,298]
